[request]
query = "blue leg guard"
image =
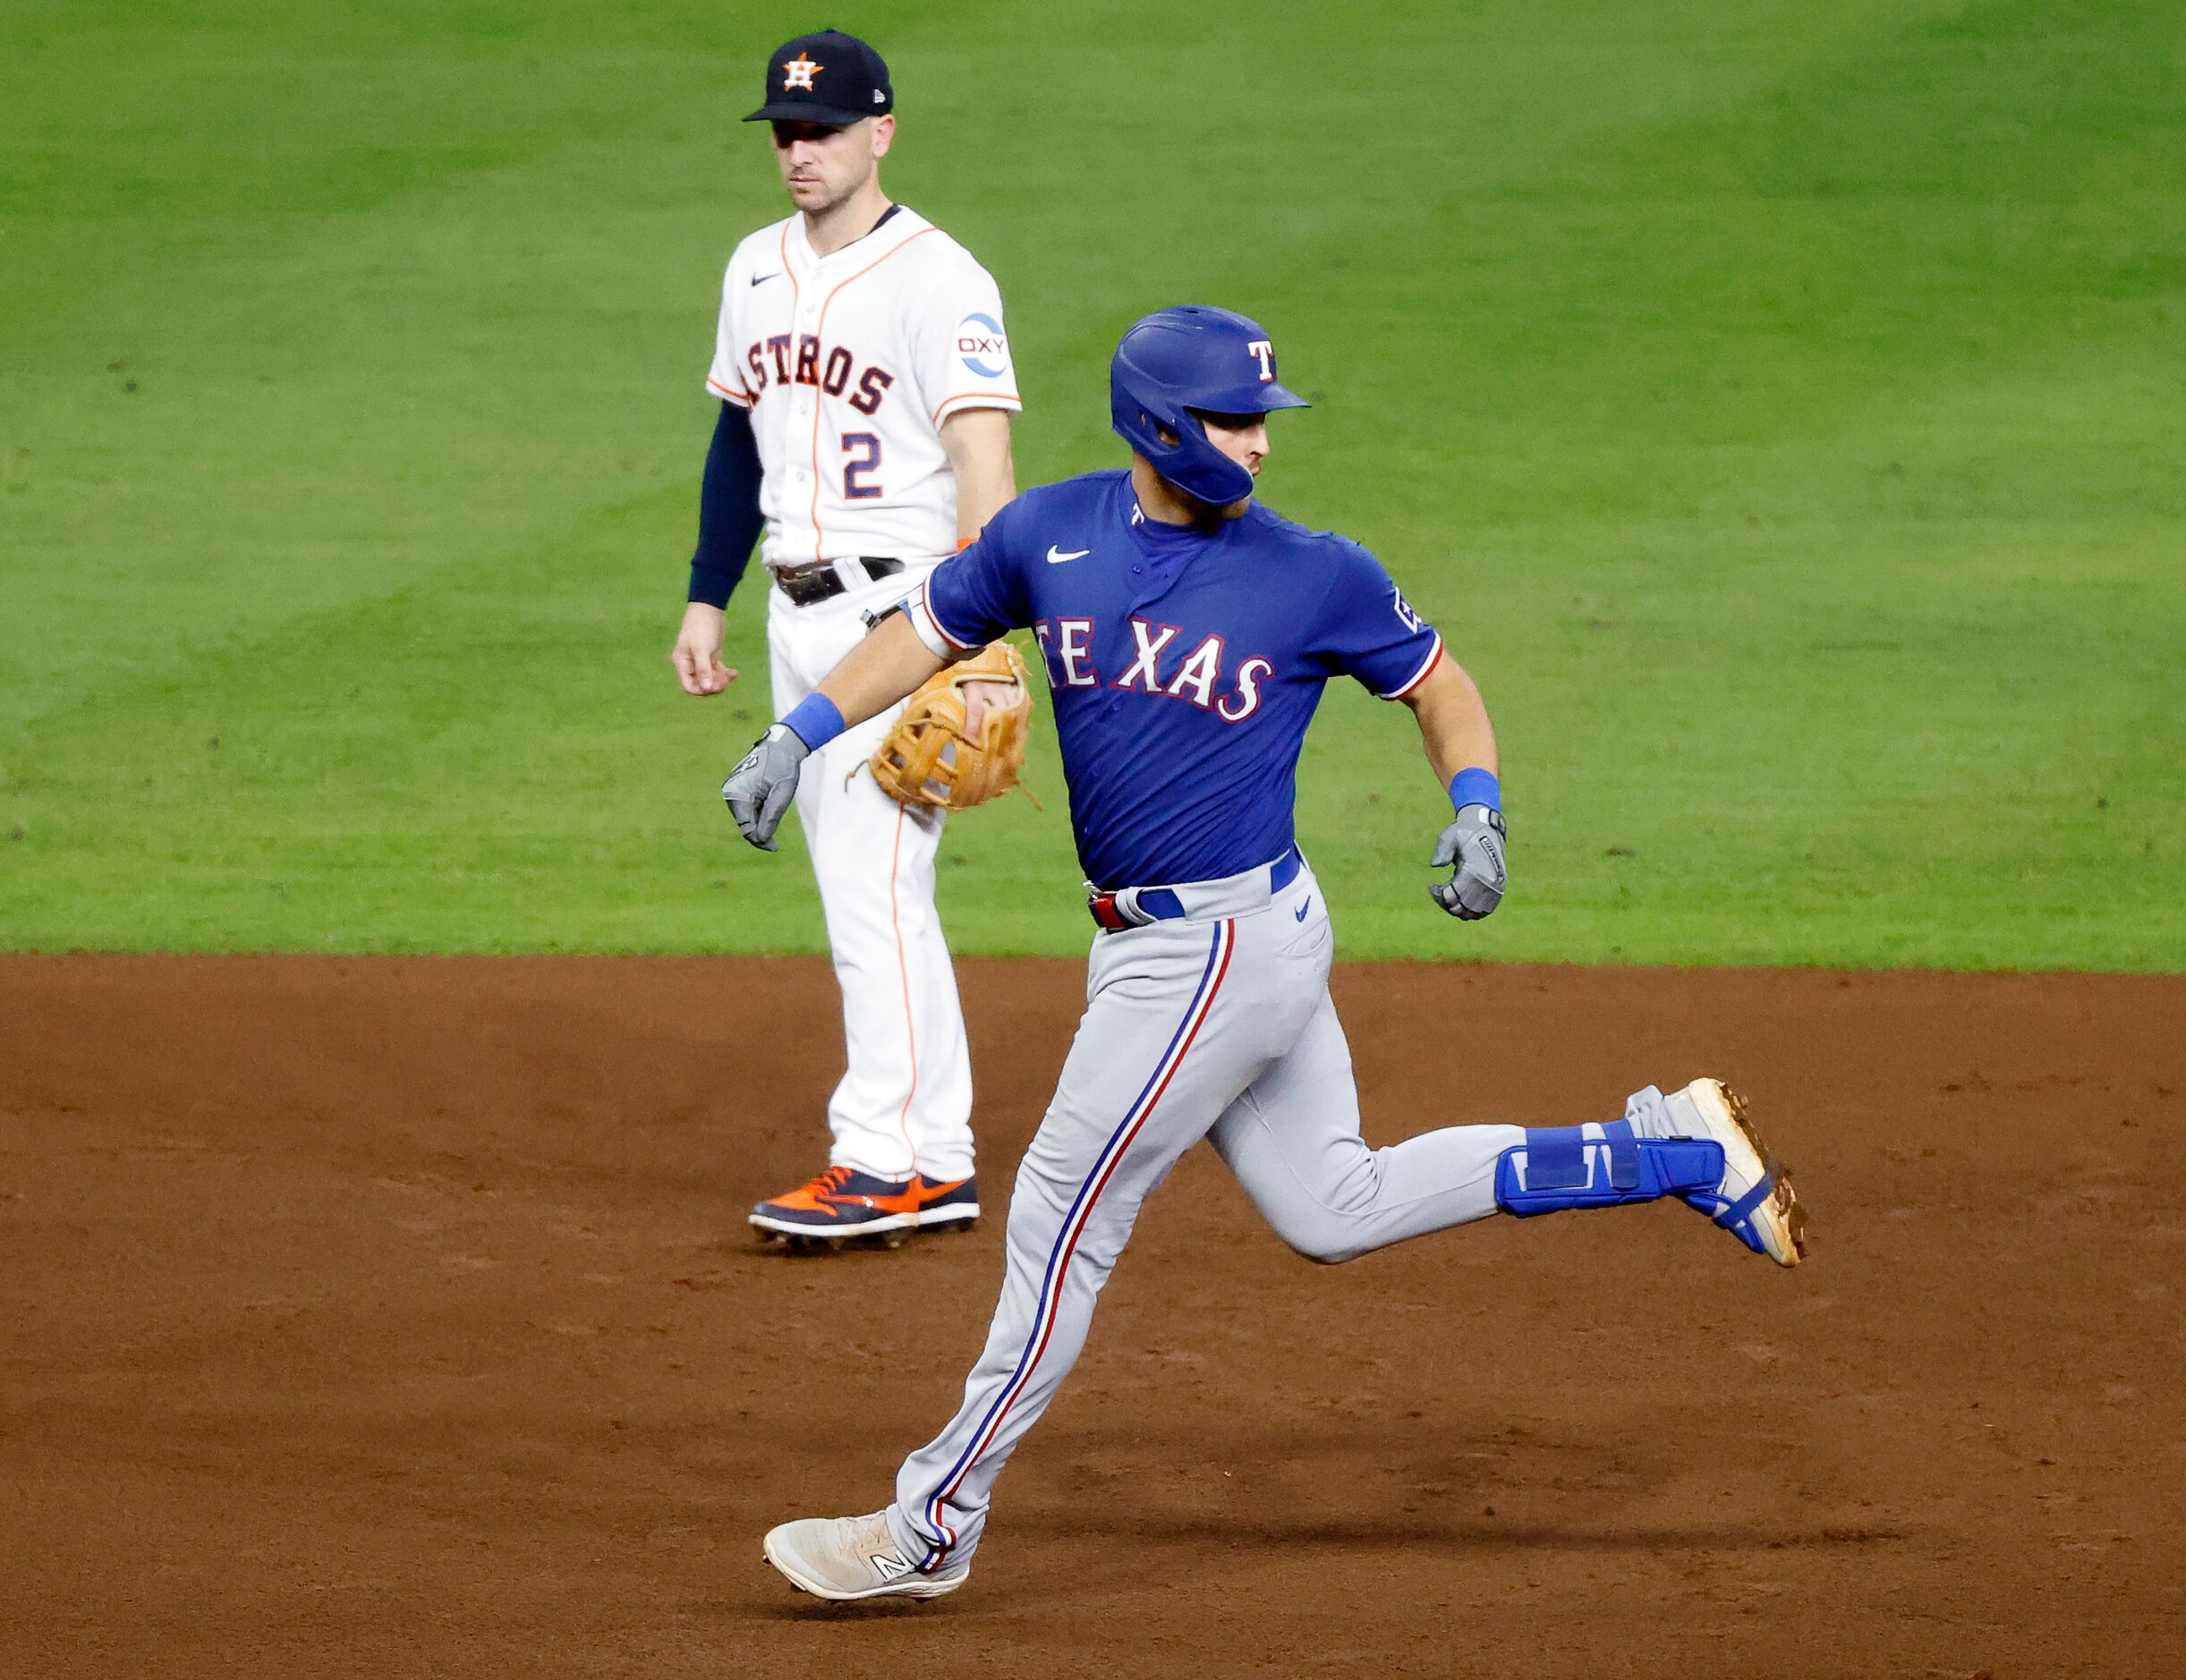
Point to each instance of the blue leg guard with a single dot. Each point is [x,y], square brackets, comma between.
[1564,1167]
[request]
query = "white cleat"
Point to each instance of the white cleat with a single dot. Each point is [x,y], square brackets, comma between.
[1755,1201]
[846,1557]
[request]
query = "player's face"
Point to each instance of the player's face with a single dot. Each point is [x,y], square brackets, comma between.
[1243,437]
[822,167]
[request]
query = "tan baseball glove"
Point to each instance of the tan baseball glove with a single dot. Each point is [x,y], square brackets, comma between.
[960,740]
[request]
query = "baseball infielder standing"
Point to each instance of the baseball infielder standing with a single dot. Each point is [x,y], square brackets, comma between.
[865,389]
[1189,632]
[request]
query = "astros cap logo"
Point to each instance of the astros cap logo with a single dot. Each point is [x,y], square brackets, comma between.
[799,71]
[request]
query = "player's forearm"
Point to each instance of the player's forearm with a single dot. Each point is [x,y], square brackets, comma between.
[977,442]
[1453,723]
[880,671]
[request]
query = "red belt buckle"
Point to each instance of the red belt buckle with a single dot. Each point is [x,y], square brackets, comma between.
[1102,907]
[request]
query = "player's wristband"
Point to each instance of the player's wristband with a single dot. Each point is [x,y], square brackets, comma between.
[1476,787]
[815,720]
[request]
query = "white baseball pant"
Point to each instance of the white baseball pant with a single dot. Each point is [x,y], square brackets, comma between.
[904,1104]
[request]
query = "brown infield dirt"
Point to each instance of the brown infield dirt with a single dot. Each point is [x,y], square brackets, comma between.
[398,1317]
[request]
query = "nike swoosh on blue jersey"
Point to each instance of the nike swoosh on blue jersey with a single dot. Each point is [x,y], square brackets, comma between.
[1056,556]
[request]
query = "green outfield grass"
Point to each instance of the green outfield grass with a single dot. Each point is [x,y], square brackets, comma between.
[1781,408]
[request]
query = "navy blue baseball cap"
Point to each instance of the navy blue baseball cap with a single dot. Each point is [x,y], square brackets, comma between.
[829,78]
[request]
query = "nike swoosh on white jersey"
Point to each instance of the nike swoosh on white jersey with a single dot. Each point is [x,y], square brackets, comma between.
[1056,556]
[761,279]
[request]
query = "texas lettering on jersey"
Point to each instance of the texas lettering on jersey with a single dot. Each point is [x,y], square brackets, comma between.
[1196,677]
[1185,665]
[849,364]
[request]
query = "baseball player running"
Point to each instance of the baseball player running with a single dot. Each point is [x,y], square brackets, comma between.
[1188,633]
[865,389]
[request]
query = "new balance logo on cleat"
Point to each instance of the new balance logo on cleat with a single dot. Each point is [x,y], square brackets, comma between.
[845,1558]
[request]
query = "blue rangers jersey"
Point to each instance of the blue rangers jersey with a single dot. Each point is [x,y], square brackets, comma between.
[1186,664]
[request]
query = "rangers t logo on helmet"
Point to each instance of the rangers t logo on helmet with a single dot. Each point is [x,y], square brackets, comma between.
[1178,364]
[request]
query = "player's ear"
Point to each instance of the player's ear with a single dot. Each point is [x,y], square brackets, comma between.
[883,134]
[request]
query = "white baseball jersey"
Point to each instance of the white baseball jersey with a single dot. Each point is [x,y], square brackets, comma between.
[849,363]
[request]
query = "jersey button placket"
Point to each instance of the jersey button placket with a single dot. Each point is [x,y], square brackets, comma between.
[801,412]
[1149,589]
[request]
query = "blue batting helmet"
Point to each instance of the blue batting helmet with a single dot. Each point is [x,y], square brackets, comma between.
[1185,358]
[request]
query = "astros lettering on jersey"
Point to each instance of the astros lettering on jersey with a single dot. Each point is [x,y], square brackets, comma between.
[849,363]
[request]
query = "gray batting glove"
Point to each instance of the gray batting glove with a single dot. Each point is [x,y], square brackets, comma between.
[758,790]
[1474,844]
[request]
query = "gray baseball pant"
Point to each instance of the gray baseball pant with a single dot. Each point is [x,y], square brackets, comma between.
[1217,1024]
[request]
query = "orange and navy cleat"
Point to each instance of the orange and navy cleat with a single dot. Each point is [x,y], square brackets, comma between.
[843,1203]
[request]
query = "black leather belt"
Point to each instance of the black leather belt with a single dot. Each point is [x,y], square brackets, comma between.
[822,580]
